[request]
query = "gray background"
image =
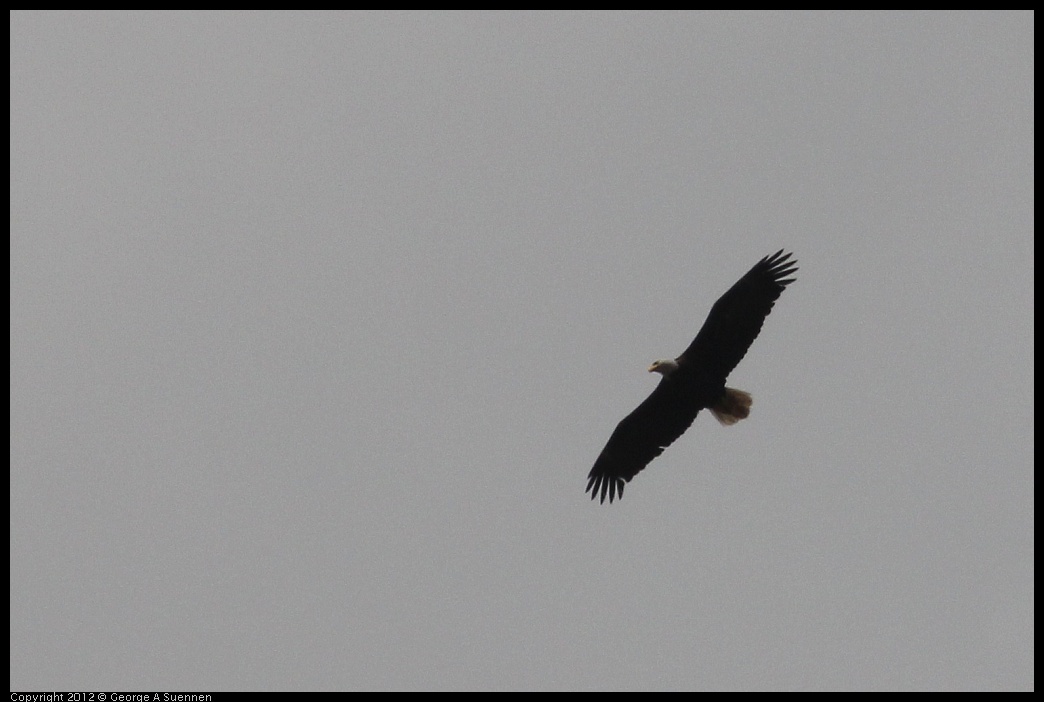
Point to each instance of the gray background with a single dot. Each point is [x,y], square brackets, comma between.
[318,322]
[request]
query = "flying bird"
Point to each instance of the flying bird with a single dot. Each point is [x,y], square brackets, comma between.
[695,380]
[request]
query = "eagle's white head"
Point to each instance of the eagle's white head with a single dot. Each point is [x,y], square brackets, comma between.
[666,366]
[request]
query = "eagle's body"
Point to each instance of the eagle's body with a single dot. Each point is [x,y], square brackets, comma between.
[695,380]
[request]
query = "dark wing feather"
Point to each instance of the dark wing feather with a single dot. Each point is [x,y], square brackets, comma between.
[642,436]
[736,318]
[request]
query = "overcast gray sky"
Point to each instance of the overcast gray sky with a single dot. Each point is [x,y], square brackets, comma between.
[319,321]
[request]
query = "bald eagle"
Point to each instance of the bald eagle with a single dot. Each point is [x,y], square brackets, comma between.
[695,380]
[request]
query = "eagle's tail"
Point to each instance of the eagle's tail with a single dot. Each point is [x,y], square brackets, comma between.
[732,407]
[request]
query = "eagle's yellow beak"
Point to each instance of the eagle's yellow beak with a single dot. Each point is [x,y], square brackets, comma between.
[653,366]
